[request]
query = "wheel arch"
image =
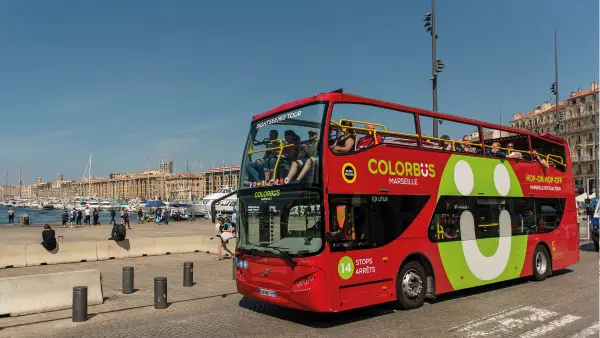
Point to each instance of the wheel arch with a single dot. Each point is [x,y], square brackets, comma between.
[545,245]
[424,261]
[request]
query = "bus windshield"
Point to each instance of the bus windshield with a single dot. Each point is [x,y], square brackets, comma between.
[274,220]
[284,148]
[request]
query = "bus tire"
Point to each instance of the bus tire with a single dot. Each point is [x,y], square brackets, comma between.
[411,285]
[542,264]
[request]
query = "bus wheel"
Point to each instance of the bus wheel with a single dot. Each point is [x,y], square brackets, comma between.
[411,285]
[541,263]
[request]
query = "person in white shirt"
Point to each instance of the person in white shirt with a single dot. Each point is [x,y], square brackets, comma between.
[88,213]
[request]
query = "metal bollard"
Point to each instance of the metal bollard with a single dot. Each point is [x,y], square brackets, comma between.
[80,303]
[128,279]
[160,292]
[188,274]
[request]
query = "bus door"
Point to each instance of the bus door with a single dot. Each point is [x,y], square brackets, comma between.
[358,273]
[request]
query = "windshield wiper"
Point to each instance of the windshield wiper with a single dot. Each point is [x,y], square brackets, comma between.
[284,255]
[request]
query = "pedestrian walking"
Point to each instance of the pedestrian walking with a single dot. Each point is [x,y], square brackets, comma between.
[166,215]
[11,216]
[79,217]
[87,213]
[96,217]
[126,218]
[73,216]
[65,218]
[140,215]
[113,213]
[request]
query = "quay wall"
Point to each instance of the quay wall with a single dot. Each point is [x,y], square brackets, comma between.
[34,254]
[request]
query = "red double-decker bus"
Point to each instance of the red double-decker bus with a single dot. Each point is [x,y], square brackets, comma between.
[347,201]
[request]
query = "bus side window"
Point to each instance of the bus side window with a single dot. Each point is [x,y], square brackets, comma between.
[375,220]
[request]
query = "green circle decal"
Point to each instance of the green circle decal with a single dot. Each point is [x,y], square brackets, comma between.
[346,267]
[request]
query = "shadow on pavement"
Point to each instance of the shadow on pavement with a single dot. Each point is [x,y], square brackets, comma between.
[587,247]
[314,319]
[491,287]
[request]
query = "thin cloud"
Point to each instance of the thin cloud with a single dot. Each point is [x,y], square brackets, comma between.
[50,135]
[579,7]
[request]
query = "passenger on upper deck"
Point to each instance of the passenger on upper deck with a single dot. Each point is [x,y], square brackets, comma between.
[345,143]
[495,151]
[288,154]
[307,158]
[369,139]
[446,144]
[537,158]
[466,147]
[513,154]
[254,169]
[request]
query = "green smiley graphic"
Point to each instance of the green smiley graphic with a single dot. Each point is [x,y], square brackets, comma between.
[472,262]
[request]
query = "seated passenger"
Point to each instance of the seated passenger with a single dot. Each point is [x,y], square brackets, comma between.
[513,154]
[537,158]
[446,144]
[495,150]
[288,155]
[466,147]
[369,139]
[345,143]
[48,238]
[307,157]
[256,168]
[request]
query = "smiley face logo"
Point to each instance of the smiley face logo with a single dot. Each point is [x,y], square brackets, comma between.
[473,261]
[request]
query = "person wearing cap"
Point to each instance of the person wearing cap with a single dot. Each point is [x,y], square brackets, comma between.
[306,159]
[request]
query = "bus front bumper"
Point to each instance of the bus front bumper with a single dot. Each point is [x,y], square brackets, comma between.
[312,297]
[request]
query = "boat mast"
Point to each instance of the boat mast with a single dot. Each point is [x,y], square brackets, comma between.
[5,182]
[20,180]
[147,179]
[90,177]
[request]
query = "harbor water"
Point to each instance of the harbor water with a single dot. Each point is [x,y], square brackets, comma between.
[40,217]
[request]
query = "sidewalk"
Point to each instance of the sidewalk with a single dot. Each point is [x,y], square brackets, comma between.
[213,280]
[24,235]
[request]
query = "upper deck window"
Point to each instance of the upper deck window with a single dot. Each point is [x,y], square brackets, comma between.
[356,127]
[501,143]
[284,148]
[455,136]
[549,154]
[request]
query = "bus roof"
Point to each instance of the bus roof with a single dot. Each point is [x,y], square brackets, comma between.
[352,98]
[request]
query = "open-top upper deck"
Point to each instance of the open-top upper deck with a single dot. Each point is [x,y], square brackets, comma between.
[339,97]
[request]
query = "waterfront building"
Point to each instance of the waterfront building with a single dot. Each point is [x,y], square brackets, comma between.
[579,125]
[150,185]
[166,166]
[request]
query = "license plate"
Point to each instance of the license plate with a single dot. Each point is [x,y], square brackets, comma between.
[268,293]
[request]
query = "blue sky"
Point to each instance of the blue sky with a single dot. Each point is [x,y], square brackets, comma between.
[126,80]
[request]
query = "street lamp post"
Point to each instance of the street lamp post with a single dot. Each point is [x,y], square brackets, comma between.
[436,65]
[554,87]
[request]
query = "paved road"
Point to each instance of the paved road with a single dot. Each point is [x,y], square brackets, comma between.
[565,305]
